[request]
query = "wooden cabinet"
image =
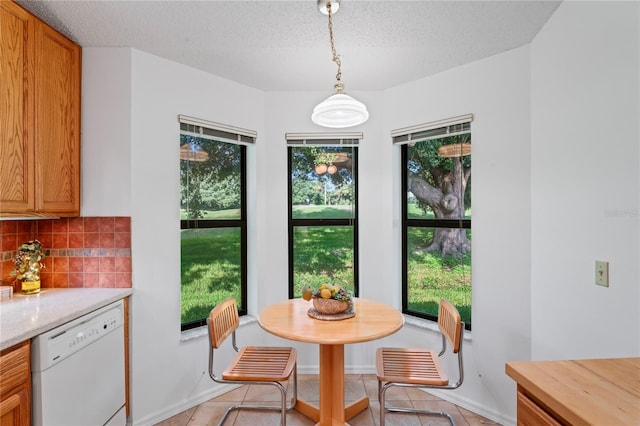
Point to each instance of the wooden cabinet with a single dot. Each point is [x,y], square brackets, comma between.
[532,414]
[57,123]
[584,392]
[15,385]
[17,177]
[39,117]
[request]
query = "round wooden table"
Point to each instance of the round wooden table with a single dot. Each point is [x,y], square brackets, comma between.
[372,320]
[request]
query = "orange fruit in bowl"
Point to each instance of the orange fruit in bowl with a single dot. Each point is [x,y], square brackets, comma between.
[325,293]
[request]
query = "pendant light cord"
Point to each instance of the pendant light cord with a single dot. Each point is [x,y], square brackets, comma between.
[339,87]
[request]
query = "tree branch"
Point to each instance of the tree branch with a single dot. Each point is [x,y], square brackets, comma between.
[424,192]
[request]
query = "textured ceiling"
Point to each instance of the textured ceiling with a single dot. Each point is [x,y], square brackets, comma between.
[284,45]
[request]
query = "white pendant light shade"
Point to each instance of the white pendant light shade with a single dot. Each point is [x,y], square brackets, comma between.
[338,111]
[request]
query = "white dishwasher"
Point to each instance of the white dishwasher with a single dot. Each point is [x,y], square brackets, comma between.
[77,371]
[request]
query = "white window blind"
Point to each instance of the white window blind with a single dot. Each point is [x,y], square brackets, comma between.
[216,131]
[324,139]
[436,129]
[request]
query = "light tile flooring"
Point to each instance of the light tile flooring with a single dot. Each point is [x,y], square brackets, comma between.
[356,386]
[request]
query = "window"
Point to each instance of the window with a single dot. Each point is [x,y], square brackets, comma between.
[213,217]
[323,214]
[436,216]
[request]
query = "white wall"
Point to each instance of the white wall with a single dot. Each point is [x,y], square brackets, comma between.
[536,175]
[106,130]
[585,181]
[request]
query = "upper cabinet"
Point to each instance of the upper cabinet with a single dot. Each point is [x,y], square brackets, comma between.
[17,167]
[39,117]
[57,123]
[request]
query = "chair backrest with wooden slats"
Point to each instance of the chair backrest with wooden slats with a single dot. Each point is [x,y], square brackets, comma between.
[223,320]
[450,324]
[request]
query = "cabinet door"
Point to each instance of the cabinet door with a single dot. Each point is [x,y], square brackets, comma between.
[531,414]
[15,385]
[57,123]
[16,109]
[15,409]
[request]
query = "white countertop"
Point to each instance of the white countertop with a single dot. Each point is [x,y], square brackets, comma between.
[24,317]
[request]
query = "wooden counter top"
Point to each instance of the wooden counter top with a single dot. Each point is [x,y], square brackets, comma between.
[583,392]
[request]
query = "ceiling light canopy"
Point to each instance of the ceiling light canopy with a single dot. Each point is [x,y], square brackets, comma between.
[338,110]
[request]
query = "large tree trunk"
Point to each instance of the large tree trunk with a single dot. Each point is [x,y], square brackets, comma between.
[446,199]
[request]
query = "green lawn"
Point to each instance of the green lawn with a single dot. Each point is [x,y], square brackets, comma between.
[210,268]
[216,214]
[322,254]
[322,212]
[431,278]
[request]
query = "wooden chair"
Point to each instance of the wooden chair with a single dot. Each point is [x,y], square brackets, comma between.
[252,364]
[416,367]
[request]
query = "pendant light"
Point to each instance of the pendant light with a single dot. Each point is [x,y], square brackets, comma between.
[338,110]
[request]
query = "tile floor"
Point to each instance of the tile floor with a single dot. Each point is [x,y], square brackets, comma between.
[356,386]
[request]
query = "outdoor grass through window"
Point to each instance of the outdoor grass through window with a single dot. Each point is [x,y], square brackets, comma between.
[210,268]
[322,254]
[432,277]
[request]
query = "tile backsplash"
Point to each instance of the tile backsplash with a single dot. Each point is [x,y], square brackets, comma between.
[80,251]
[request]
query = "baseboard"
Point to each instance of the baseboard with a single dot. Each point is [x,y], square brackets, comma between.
[474,407]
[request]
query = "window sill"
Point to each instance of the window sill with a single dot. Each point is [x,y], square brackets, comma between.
[430,325]
[197,333]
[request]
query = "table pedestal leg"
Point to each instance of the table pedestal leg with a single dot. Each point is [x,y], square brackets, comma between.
[331,384]
[332,408]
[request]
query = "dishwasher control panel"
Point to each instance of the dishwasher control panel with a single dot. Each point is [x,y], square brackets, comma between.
[55,345]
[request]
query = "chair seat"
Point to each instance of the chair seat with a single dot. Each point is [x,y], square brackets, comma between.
[410,365]
[256,363]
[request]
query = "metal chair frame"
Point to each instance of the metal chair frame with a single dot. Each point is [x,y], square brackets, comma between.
[451,327]
[215,342]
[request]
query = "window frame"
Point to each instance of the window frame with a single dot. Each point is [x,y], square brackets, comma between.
[405,137]
[418,223]
[292,222]
[240,223]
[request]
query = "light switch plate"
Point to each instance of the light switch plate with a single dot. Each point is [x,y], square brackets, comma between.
[602,273]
